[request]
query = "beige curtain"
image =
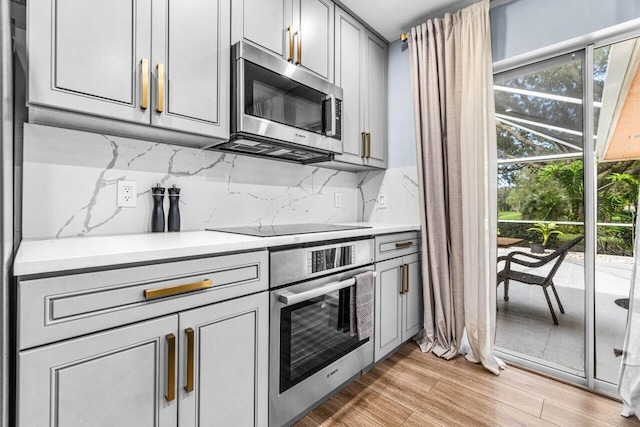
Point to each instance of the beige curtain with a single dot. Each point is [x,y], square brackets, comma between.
[451,70]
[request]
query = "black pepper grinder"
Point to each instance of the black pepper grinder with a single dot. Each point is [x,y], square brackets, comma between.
[174,209]
[157,214]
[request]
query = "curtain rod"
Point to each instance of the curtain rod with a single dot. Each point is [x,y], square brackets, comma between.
[493,3]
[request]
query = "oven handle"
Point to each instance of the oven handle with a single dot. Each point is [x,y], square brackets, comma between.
[290,298]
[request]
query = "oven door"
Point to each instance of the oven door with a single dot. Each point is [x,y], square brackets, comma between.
[312,350]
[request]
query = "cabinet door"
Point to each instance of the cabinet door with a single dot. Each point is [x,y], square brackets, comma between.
[229,363]
[87,56]
[388,303]
[314,21]
[350,77]
[376,101]
[264,22]
[115,378]
[412,311]
[191,41]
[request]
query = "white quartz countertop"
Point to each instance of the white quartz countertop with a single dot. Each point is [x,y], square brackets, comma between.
[65,254]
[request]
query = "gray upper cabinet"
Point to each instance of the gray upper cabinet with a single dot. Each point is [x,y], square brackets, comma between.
[361,71]
[88,56]
[300,31]
[264,22]
[376,102]
[97,58]
[191,51]
[313,19]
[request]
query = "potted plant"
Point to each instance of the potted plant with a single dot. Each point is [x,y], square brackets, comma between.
[546,229]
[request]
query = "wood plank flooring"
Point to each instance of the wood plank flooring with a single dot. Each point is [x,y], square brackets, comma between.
[412,388]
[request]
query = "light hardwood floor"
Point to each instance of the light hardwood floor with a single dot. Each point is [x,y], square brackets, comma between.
[411,388]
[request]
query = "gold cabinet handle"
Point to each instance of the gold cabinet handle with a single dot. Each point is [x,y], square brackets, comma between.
[364,145]
[406,289]
[176,290]
[368,145]
[402,279]
[171,372]
[290,31]
[403,245]
[160,106]
[190,362]
[299,35]
[144,70]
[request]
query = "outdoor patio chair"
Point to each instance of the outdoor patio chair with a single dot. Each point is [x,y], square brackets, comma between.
[558,256]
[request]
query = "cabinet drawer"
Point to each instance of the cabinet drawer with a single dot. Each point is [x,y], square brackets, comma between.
[55,308]
[394,245]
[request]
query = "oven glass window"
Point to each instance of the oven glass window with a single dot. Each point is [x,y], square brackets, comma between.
[314,334]
[279,99]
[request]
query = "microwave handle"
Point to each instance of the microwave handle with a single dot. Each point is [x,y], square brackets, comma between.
[332,106]
[290,298]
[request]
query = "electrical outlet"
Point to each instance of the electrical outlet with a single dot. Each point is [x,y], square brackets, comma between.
[337,200]
[127,194]
[382,201]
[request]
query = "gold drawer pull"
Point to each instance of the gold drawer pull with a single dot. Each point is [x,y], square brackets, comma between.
[368,145]
[364,145]
[175,290]
[403,245]
[190,362]
[171,374]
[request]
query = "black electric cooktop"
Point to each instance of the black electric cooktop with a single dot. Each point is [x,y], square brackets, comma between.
[286,229]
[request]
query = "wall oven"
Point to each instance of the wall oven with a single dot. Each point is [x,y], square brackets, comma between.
[312,351]
[280,110]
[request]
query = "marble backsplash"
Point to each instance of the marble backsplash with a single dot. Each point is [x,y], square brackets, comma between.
[398,186]
[70,185]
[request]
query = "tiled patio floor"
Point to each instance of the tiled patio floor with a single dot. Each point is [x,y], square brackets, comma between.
[524,324]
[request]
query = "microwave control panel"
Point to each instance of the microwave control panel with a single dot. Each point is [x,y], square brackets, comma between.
[327,259]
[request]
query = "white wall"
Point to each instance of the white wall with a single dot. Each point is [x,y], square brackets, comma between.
[521,26]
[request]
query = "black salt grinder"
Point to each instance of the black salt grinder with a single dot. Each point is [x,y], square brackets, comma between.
[157,214]
[174,209]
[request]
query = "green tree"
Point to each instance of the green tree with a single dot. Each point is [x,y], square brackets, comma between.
[535,201]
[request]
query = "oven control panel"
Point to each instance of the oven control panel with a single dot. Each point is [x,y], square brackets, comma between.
[295,264]
[327,259]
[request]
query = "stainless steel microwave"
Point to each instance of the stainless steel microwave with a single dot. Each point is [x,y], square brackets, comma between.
[280,110]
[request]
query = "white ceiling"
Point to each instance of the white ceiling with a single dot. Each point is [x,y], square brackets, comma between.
[393,17]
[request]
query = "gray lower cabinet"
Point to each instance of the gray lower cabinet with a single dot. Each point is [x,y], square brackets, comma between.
[126,347]
[202,367]
[361,71]
[399,313]
[115,378]
[228,377]
[126,60]
[300,31]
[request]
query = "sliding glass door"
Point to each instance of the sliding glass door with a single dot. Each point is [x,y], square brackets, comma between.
[539,120]
[568,135]
[617,143]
